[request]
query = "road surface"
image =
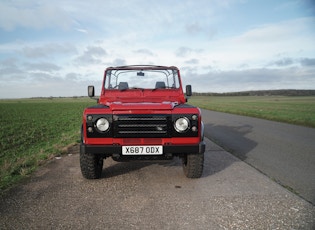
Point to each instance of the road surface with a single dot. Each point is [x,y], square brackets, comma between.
[284,152]
[153,195]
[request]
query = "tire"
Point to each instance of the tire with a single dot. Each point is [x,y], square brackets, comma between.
[193,165]
[91,165]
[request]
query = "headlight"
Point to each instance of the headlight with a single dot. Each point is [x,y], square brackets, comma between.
[102,124]
[182,124]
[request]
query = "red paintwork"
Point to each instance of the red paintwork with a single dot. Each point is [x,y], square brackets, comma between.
[142,101]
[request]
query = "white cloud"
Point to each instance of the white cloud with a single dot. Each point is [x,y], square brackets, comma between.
[91,55]
[42,67]
[35,16]
[144,52]
[256,47]
[187,51]
[48,50]
[193,61]
[118,62]
[251,79]
[82,30]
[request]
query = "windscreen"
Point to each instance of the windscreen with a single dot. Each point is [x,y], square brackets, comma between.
[141,79]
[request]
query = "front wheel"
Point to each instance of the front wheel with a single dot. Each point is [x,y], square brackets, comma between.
[193,165]
[91,165]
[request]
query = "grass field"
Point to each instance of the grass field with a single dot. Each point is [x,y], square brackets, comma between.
[295,110]
[34,130]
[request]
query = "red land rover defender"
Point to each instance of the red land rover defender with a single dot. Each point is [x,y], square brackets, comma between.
[142,115]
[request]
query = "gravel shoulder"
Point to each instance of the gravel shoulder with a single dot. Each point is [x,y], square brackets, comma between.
[153,195]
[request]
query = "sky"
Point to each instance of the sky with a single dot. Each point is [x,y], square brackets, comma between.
[58,48]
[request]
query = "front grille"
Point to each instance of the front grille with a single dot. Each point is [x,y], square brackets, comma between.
[142,125]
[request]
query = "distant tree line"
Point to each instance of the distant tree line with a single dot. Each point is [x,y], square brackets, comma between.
[60,97]
[280,92]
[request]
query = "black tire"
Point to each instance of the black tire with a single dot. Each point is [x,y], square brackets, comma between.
[193,165]
[91,165]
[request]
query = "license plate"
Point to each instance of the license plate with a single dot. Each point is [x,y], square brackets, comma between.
[142,150]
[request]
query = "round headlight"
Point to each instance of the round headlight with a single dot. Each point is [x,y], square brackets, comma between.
[102,124]
[181,124]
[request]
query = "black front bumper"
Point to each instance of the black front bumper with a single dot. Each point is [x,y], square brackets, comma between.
[115,150]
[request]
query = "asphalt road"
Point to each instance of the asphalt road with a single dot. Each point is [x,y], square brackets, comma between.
[153,195]
[284,152]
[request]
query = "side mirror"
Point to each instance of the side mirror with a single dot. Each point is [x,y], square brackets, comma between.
[91,92]
[188,90]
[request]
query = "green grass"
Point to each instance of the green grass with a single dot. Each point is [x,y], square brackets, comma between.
[293,110]
[34,130]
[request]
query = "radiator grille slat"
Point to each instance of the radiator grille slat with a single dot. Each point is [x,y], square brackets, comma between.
[142,126]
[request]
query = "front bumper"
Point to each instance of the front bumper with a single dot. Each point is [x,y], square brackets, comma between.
[116,150]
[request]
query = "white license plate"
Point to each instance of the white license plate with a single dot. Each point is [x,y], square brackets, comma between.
[142,150]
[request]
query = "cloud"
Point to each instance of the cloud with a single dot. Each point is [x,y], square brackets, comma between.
[82,30]
[308,61]
[48,50]
[304,62]
[183,51]
[283,62]
[45,78]
[144,52]
[211,32]
[259,45]
[36,16]
[95,51]
[91,55]
[275,32]
[45,85]
[73,76]
[193,28]
[284,35]
[193,61]
[42,66]
[119,62]
[9,73]
[250,79]
[9,67]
